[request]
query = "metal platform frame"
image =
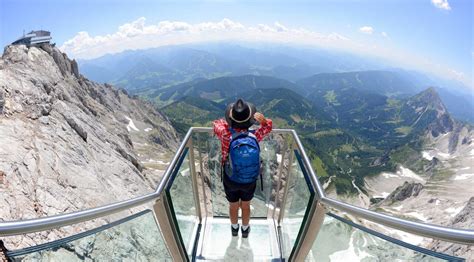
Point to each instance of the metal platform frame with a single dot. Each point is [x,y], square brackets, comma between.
[308,233]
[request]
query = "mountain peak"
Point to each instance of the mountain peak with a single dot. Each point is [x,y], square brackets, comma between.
[428,106]
[430,98]
[22,53]
[71,137]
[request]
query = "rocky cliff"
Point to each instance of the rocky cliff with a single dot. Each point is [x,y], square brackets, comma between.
[404,191]
[464,220]
[68,143]
[431,113]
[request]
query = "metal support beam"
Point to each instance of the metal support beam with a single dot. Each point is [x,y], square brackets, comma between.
[287,185]
[192,167]
[276,202]
[310,232]
[168,230]
[201,171]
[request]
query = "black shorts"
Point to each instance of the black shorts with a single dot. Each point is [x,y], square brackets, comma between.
[235,191]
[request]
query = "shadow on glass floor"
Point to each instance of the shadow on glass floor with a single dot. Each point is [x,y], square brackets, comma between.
[220,245]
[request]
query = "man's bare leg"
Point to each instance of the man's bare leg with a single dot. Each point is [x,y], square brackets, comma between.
[234,212]
[245,205]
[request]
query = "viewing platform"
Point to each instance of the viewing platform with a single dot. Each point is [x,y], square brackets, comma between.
[186,217]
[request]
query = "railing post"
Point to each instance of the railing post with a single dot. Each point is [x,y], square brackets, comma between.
[309,167]
[201,168]
[162,214]
[287,185]
[280,172]
[310,231]
[192,166]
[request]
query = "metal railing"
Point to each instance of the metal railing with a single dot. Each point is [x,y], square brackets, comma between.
[462,236]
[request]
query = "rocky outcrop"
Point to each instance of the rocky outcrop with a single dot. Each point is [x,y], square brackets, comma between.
[67,142]
[382,160]
[3,252]
[405,191]
[465,220]
[431,114]
[2,102]
[430,168]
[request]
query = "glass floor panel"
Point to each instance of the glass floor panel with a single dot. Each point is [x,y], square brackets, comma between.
[217,243]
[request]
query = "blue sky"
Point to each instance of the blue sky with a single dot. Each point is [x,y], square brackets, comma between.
[434,35]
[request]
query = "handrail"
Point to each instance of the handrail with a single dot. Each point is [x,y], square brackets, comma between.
[10,228]
[462,236]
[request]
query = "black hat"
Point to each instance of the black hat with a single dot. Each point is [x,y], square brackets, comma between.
[240,114]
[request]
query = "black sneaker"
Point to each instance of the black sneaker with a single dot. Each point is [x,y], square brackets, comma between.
[245,233]
[235,231]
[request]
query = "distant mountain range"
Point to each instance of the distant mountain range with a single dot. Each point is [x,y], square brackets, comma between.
[355,122]
[351,131]
[147,72]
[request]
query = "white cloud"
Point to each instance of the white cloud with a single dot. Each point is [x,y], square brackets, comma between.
[456,74]
[140,35]
[366,30]
[280,27]
[442,4]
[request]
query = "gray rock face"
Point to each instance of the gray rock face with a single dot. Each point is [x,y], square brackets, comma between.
[430,168]
[405,191]
[465,220]
[69,144]
[429,103]
[2,102]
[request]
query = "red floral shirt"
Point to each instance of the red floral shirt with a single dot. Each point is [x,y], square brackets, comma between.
[221,130]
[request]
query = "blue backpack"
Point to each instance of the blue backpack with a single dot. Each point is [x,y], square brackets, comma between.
[244,157]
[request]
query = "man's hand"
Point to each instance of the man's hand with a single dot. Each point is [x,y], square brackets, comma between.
[260,118]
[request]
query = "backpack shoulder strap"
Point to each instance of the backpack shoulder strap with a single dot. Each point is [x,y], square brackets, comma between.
[235,134]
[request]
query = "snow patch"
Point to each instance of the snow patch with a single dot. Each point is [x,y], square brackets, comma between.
[148,129]
[426,155]
[270,206]
[279,157]
[131,126]
[185,172]
[389,175]
[418,216]
[402,235]
[382,195]
[403,172]
[406,172]
[350,254]
[398,208]
[463,176]
[444,155]
[150,160]
[453,211]
[408,238]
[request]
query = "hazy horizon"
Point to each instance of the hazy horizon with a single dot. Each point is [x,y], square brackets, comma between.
[433,36]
